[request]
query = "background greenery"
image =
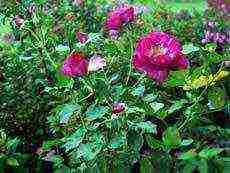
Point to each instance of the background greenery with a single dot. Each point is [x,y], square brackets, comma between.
[53,123]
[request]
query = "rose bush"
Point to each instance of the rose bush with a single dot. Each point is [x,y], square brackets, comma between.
[155,99]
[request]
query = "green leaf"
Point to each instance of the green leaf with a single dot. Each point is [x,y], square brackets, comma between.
[211,47]
[12,162]
[48,145]
[146,166]
[145,127]
[95,112]
[57,161]
[87,152]
[171,137]
[73,141]
[216,99]
[135,140]
[176,78]
[189,48]
[12,144]
[134,109]
[64,81]
[156,106]
[178,104]
[62,48]
[138,91]
[150,98]
[190,155]
[203,166]
[208,153]
[186,142]
[67,110]
[118,141]
[153,143]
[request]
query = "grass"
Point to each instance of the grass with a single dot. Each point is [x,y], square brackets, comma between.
[199,5]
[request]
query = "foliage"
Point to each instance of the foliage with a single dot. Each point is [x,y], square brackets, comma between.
[69,123]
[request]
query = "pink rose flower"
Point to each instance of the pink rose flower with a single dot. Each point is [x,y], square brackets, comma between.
[121,15]
[18,20]
[82,37]
[157,54]
[118,107]
[75,65]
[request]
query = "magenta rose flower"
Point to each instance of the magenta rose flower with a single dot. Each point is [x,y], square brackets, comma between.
[121,15]
[157,54]
[118,107]
[75,65]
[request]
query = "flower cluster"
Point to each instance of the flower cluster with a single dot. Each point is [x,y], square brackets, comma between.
[76,64]
[120,16]
[211,34]
[221,5]
[157,54]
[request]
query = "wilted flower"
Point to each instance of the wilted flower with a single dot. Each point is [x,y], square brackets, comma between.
[82,37]
[8,38]
[32,8]
[78,2]
[118,107]
[18,20]
[75,65]
[221,5]
[121,15]
[138,9]
[157,54]
[96,63]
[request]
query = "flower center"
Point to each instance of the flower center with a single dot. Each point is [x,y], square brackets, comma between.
[156,51]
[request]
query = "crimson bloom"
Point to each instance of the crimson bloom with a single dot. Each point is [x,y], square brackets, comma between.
[157,54]
[118,107]
[75,65]
[121,15]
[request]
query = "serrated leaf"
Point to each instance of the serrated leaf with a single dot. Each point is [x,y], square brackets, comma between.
[95,112]
[208,153]
[156,106]
[66,111]
[87,152]
[134,109]
[145,127]
[171,137]
[73,141]
[189,48]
